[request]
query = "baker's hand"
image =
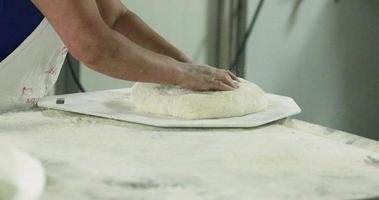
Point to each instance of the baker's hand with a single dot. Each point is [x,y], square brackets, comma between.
[204,77]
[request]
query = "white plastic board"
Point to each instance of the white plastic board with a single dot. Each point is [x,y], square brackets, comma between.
[116,104]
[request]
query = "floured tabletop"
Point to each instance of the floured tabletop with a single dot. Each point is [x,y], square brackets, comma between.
[92,158]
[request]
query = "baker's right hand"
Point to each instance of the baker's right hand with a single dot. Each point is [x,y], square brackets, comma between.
[204,77]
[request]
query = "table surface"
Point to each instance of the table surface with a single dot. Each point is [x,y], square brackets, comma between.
[91,158]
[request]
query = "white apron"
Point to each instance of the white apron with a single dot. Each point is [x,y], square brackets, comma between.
[31,70]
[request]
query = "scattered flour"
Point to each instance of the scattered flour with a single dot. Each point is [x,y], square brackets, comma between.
[103,159]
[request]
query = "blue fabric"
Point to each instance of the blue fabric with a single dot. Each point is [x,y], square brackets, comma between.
[18,19]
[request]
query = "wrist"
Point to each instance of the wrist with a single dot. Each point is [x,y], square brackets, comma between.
[179,73]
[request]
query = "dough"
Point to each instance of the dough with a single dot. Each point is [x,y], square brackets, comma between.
[21,176]
[188,104]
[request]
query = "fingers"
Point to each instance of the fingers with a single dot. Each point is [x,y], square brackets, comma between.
[219,85]
[205,77]
[229,81]
[234,77]
[224,76]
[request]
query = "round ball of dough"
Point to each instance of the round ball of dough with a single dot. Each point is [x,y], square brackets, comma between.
[182,103]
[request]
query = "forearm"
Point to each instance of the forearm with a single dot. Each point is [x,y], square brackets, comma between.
[123,59]
[84,27]
[132,27]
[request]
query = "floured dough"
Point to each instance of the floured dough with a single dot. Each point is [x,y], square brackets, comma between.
[21,176]
[188,104]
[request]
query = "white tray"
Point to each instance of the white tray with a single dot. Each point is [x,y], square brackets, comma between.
[116,104]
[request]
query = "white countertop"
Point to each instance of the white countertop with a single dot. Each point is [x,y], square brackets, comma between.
[98,159]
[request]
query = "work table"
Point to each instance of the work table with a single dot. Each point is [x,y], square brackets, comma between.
[90,158]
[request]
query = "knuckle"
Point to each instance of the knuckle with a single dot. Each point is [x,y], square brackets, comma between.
[228,77]
[212,72]
[219,84]
[224,71]
[209,79]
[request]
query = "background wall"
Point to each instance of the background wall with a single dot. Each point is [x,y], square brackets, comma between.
[325,55]
[190,25]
